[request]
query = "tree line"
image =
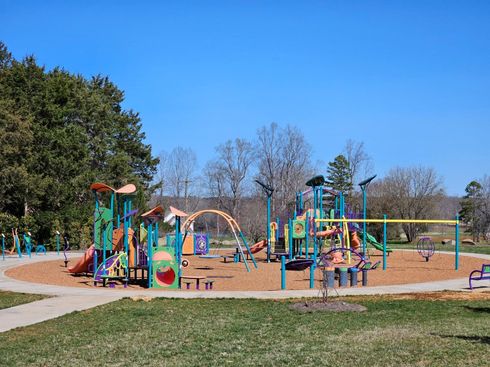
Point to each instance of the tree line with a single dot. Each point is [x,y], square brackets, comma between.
[59,132]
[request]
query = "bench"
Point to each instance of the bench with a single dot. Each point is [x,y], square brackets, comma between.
[226,257]
[209,284]
[482,274]
[196,278]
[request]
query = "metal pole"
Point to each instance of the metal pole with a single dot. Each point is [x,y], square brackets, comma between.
[3,246]
[312,276]
[178,244]
[150,254]
[112,213]
[268,228]
[307,229]
[290,239]
[125,226]
[283,272]
[384,242]
[364,223]
[456,259]
[58,243]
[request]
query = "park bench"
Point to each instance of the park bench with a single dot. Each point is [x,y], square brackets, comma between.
[482,274]
[191,278]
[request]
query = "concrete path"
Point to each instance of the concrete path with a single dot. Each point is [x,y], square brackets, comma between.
[68,299]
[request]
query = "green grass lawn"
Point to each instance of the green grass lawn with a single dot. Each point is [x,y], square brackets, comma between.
[10,299]
[257,332]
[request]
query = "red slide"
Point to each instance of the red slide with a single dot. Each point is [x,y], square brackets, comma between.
[82,265]
[259,246]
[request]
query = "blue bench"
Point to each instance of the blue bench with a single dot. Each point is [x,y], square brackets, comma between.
[482,274]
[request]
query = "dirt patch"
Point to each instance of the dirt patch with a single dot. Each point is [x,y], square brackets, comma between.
[428,296]
[333,306]
[402,268]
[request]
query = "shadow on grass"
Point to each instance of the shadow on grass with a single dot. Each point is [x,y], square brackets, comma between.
[478,309]
[470,338]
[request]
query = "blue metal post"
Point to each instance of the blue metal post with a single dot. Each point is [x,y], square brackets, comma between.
[307,228]
[456,260]
[96,214]
[321,202]
[156,234]
[364,223]
[112,213]
[312,276]
[178,245]
[341,217]
[104,230]
[283,272]
[268,228]
[58,243]
[149,243]
[290,239]
[384,241]
[125,224]
[3,246]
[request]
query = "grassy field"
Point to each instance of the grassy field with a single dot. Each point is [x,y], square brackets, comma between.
[392,332]
[10,299]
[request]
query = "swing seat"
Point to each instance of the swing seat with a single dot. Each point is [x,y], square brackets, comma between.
[299,264]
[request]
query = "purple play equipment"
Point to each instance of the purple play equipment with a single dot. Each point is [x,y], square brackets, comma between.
[201,244]
[426,247]
[66,247]
[328,259]
[482,274]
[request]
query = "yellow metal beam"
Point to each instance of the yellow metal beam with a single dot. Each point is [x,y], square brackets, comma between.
[421,221]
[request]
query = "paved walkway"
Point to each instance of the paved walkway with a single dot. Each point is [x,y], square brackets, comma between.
[68,299]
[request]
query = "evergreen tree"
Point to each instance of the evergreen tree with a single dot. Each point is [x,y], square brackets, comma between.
[471,212]
[338,174]
[60,132]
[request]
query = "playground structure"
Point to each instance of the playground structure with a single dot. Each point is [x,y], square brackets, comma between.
[130,253]
[325,234]
[426,247]
[27,244]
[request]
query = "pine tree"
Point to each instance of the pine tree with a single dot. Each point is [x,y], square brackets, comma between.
[60,132]
[470,209]
[338,174]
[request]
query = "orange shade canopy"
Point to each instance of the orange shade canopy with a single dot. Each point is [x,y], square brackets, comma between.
[100,187]
[155,212]
[177,212]
[126,189]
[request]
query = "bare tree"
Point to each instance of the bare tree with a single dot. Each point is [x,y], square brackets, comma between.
[161,177]
[234,161]
[181,174]
[360,163]
[214,177]
[284,161]
[412,193]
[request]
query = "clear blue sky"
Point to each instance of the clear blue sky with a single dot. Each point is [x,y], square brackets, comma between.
[409,78]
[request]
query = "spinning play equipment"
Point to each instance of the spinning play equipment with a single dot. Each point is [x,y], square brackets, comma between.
[426,247]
